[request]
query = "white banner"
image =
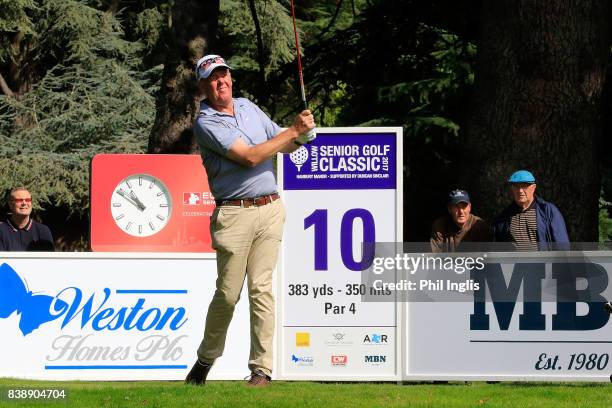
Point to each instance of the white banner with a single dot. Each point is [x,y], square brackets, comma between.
[111,317]
[542,319]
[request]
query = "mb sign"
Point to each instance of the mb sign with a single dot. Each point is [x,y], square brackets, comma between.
[536,316]
[531,278]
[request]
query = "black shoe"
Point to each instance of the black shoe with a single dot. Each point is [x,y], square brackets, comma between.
[258,379]
[198,373]
[608,307]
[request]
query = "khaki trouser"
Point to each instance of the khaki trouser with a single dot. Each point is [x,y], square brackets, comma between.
[247,242]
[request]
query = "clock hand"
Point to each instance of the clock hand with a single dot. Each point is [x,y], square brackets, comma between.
[141,206]
[129,199]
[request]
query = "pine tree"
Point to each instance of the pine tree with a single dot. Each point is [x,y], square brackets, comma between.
[81,90]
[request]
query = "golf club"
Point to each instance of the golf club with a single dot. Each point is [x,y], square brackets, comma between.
[299,62]
[299,59]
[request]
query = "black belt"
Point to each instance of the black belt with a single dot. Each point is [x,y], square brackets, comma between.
[248,202]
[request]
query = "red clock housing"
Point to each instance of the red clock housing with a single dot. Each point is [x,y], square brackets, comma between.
[184,176]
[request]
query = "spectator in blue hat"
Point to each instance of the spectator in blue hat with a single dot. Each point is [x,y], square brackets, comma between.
[529,223]
[460,225]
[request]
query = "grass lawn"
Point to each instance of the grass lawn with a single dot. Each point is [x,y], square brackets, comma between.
[317,395]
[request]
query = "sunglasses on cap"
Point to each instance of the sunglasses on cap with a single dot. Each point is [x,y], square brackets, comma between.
[206,63]
[456,193]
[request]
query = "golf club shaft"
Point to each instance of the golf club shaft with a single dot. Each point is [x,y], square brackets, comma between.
[299,59]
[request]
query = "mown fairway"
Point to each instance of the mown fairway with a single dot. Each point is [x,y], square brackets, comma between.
[317,395]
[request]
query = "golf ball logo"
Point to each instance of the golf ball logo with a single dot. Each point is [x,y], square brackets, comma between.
[299,157]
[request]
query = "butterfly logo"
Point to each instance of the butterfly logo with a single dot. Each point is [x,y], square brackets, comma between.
[34,309]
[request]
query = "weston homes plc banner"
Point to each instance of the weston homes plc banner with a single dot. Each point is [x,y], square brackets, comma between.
[109,317]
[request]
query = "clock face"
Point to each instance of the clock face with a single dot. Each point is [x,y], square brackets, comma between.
[141,205]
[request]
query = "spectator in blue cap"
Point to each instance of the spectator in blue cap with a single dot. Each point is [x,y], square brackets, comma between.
[459,225]
[529,223]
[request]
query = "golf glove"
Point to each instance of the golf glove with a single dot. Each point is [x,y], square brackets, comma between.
[306,137]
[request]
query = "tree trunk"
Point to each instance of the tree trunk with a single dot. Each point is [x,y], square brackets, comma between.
[4,87]
[192,33]
[537,105]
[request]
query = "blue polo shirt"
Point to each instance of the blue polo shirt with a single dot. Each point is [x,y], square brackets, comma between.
[33,237]
[216,132]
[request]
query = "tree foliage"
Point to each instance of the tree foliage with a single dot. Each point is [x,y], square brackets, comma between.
[238,31]
[93,97]
[14,19]
[81,77]
[415,70]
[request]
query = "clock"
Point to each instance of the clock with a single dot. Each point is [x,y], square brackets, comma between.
[141,205]
[178,205]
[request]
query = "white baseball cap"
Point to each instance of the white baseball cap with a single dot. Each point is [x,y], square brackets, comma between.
[207,64]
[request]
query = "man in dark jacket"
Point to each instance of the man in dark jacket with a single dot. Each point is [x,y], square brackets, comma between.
[460,225]
[530,223]
[20,232]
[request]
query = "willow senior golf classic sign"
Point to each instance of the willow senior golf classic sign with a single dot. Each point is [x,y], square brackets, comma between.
[340,191]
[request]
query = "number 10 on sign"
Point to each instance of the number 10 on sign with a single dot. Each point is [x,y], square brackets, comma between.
[318,221]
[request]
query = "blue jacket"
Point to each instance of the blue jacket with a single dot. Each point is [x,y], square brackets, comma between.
[551,225]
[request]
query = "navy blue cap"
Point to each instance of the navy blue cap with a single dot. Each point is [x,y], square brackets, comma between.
[458,196]
[522,176]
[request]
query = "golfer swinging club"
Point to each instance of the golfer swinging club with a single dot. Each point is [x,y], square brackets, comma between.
[237,142]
